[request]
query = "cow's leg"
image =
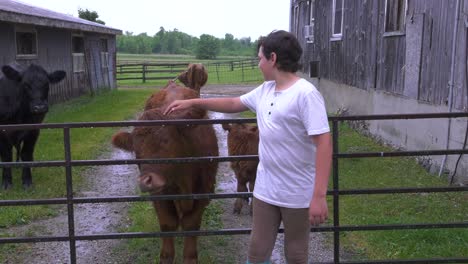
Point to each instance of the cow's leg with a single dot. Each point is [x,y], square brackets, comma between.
[27,152]
[168,221]
[190,222]
[6,156]
[241,187]
[251,189]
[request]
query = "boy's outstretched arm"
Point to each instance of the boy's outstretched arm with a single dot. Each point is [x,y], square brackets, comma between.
[224,105]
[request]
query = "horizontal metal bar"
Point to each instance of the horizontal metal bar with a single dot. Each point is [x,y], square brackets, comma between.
[131,198]
[401,190]
[401,153]
[406,261]
[178,122]
[399,116]
[213,196]
[127,161]
[400,226]
[216,121]
[236,231]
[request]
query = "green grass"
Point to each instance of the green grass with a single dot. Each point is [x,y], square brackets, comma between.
[115,105]
[397,208]
[147,250]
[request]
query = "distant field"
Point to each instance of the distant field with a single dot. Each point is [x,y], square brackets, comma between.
[223,70]
[126,58]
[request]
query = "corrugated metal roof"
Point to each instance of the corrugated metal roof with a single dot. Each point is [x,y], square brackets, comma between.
[18,12]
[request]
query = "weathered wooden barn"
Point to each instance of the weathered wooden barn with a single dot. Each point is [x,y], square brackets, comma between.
[388,57]
[84,49]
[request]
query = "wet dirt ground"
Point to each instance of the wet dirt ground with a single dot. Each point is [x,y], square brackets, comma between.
[112,217]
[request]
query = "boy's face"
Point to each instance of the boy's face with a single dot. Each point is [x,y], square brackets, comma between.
[265,65]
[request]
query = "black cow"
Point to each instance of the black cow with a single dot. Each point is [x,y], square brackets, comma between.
[24,93]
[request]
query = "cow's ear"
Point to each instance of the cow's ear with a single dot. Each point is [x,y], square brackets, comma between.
[123,140]
[226,127]
[56,76]
[11,73]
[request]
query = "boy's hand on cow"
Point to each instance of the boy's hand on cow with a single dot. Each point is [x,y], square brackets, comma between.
[318,210]
[178,105]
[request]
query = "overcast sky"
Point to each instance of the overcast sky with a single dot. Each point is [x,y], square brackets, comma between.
[241,18]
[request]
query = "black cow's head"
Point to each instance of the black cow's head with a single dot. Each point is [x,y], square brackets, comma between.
[34,82]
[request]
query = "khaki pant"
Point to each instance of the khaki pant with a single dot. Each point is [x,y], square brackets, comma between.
[266,221]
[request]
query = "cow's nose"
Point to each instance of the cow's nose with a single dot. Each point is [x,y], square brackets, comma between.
[151,182]
[40,108]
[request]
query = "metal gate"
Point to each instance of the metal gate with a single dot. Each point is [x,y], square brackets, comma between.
[335,192]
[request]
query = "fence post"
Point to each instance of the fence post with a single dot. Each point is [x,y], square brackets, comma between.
[336,196]
[242,67]
[144,72]
[217,72]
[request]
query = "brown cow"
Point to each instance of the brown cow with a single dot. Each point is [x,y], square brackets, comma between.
[243,140]
[184,178]
[194,77]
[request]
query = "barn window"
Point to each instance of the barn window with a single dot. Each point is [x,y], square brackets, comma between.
[395,12]
[104,53]
[337,19]
[296,19]
[77,44]
[309,29]
[78,53]
[26,43]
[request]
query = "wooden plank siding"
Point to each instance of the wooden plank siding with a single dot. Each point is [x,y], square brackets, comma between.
[54,52]
[368,58]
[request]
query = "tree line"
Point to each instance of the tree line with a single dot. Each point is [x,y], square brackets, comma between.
[177,42]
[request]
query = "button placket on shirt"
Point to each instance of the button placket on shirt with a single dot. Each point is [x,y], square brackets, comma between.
[272,103]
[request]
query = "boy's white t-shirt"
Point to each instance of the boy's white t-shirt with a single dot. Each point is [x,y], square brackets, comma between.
[286,120]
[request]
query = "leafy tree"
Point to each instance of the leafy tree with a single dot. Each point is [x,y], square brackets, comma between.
[89,15]
[177,42]
[208,47]
[229,42]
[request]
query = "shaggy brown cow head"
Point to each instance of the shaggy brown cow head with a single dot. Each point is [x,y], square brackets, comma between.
[194,77]
[171,92]
[156,142]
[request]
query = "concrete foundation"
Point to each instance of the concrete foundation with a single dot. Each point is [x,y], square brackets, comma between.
[418,134]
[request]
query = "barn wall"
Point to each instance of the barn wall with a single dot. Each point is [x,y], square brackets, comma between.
[429,134]
[369,72]
[415,65]
[112,43]
[55,53]
[7,51]
[100,77]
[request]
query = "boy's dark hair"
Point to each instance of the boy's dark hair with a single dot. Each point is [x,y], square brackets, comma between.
[287,48]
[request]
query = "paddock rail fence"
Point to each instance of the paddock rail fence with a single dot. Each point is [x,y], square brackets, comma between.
[223,72]
[336,193]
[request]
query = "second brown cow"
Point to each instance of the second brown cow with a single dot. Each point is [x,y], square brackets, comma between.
[243,140]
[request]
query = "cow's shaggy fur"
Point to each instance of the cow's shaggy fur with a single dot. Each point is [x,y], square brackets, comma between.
[170,141]
[243,140]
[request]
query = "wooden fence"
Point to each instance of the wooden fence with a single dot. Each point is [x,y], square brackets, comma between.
[226,72]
